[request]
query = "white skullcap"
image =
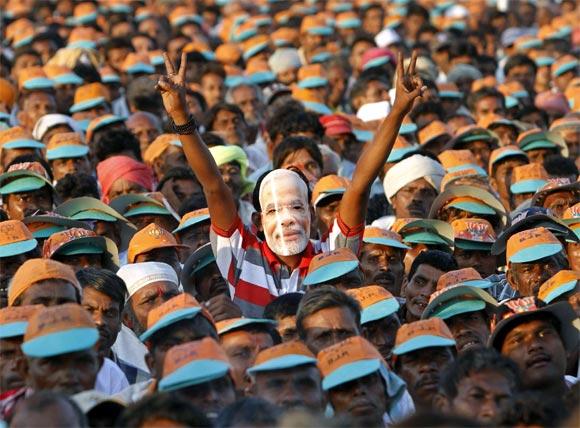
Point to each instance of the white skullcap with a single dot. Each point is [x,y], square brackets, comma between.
[411,169]
[284,59]
[373,111]
[139,275]
[50,121]
[387,37]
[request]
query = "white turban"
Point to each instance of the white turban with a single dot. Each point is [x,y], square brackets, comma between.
[411,169]
[139,275]
[284,59]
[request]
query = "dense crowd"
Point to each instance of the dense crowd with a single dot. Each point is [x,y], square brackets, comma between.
[275,213]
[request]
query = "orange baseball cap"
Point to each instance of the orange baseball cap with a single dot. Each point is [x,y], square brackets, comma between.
[15,238]
[150,238]
[491,121]
[348,360]
[457,160]
[192,218]
[312,76]
[34,78]
[311,100]
[432,131]
[58,330]
[285,37]
[532,244]
[228,54]
[36,270]
[422,334]
[380,236]
[327,186]
[255,45]
[528,178]
[89,96]
[7,93]
[183,306]
[315,25]
[66,145]
[563,282]
[505,152]
[101,122]
[467,177]
[83,37]
[18,138]
[467,276]
[473,234]
[330,265]
[193,363]
[564,64]
[159,145]
[136,63]
[14,320]
[282,357]
[514,89]
[232,324]
[62,75]
[376,302]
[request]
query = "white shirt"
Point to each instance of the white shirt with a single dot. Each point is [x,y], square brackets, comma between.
[129,348]
[110,379]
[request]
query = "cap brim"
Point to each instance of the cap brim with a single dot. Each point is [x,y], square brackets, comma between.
[327,194]
[397,154]
[563,288]
[386,242]
[62,342]
[47,232]
[15,248]
[67,152]
[539,145]
[13,329]
[23,143]
[535,252]
[194,373]
[282,363]
[88,104]
[470,191]
[428,238]
[350,372]
[464,244]
[94,215]
[422,342]
[147,209]
[243,322]
[312,82]
[472,207]
[191,222]
[23,184]
[170,319]
[330,271]
[87,208]
[379,310]
[527,186]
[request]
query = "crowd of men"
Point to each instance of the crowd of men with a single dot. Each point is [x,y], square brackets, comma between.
[234,213]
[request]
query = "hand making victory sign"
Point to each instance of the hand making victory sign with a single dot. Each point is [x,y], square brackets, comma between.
[172,89]
[408,86]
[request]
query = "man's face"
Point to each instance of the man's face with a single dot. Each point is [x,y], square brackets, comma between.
[523,74]
[488,105]
[50,292]
[210,283]
[68,373]
[507,135]
[177,190]
[287,328]
[213,89]
[144,129]
[174,157]
[502,177]
[382,334]
[36,105]
[482,261]
[329,326]
[22,62]
[194,236]
[232,175]
[420,369]
[212,396]
[285,215]
[482,395]
[64,166]
[8,267]
[326,213]
[81,261]
[122,187]
[337,79]
[414,199]
[65,97]
[116,56]
[540,155]
[377,91]
[146,299]
[357,53]
[572,138]
[573,252]
[526,278]
[245,98]
[469,330]
[166,255]
[537,348]
[559,202]
[302,159]
[373,20]
[298,387]
[106,314]
[311,42]
[383,265]
[25,204]
[109,230]
[10,355]
[481,151]
[167,222]
[363,398]
[242,347]
[419,289]
[181,332]
[231,127]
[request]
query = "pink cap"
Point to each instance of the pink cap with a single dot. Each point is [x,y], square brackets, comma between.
[335,124]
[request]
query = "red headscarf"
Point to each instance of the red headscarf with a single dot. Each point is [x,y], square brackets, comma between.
[115,167]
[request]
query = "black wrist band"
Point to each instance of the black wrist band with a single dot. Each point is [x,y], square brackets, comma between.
[187,128]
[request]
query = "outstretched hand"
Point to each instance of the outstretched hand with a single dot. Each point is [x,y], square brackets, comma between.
[409,85]
[172,89]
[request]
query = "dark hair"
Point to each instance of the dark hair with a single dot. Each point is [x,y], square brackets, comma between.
[517,61]
[283,306]
[534,408]
[292,121]
[147,36]
[363,36]
[477,361]
[324,297]
[32,158]
[249,411]
[40,400]
[177,173]
[460,48]
[482,93]
[211,114]
[434,419]
[526,110]
[196,201]
[428,107]
[142,95]
[383,73]
[104,281]
[24,50]
[435,258]
[560,166]
[199,97]
[211,139]
[75,185]
[163,405]
[416,9]
[114,142]
[117,43]
[291,145]
[360,86]
[210,68]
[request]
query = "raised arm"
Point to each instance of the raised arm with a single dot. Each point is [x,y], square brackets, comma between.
[354,203]
[220,201]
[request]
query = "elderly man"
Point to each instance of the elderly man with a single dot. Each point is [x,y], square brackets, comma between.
[412,185]
[145,126]
[283,198]
[249,99]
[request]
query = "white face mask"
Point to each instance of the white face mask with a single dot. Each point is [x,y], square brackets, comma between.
[285,212]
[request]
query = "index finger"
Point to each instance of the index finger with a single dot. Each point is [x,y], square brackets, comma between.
[182,66]
[400,65]
[411,68]
[168,64]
